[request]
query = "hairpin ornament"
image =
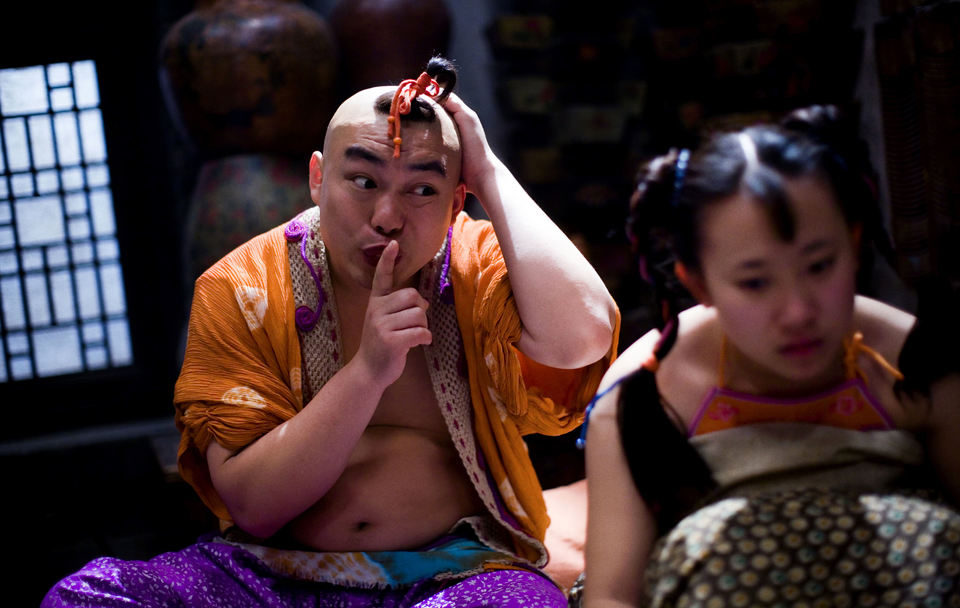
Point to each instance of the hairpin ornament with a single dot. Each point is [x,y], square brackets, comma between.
[679,173]
[406,92]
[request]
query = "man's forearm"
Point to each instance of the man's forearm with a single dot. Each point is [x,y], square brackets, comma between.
[284,472]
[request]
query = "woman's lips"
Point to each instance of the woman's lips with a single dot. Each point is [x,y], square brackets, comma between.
[801,348]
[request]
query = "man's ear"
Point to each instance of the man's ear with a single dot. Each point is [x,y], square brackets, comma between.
[459,199]
[693,281]
[316,176]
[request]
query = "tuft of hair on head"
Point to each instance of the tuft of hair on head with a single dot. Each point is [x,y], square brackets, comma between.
[444,72]
[438,68]
[406,101]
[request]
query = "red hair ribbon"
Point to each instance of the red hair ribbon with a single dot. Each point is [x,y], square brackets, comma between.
[407,91]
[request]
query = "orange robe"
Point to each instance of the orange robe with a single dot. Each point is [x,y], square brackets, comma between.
[241,375]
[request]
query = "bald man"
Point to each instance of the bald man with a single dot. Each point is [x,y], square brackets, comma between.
[357,382]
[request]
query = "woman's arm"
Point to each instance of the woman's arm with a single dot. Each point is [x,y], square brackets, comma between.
[944,429]
[567,313]
[620,528]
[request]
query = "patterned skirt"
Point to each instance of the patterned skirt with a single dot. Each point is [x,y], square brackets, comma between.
[812,548]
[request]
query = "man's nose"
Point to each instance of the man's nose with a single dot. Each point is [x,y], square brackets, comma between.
[387,218]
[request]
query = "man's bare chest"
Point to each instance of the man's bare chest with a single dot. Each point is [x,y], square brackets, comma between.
[410,402]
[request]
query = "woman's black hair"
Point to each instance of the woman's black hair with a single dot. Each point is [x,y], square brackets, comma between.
[854,180]
[664,227]
[669,473]
[813,141]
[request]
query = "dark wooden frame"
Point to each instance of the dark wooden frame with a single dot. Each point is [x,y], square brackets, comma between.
[123,39]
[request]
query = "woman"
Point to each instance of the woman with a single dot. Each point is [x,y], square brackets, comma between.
[773,456]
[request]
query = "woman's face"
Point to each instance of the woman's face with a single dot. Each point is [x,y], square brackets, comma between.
[785,306]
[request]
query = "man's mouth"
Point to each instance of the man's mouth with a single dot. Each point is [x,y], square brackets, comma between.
[371,255]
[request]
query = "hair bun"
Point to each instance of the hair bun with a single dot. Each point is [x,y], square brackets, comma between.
[812,119]
[828,125]
[444,72]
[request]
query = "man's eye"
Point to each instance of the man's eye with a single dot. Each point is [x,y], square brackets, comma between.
[364,182]
[424,190]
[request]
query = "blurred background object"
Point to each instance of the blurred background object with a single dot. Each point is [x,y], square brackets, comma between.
[918,62]
[385,41]
[245,76]
[250,85]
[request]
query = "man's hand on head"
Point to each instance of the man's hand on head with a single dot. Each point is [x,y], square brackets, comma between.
[477,155]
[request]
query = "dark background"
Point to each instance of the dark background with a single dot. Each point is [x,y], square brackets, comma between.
[573,100]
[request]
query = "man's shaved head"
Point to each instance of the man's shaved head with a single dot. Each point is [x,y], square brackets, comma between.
[367,194]
[372,106]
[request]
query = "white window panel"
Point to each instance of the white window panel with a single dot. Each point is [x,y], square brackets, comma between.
[15,137]
[62,296]
[58,351]
[39,221]
[23,91]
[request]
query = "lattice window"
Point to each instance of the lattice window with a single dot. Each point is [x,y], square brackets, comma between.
[61,283]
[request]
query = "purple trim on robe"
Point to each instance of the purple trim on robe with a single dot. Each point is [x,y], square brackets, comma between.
[501,507]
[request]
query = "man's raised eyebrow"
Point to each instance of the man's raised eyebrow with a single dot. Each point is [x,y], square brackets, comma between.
[361,153]
[434,165]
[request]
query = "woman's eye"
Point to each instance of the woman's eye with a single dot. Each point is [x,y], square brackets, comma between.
[754,284]
[822,266]
[424,190]
[364,182]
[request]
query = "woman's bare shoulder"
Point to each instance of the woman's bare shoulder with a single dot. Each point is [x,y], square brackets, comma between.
[697,324]
[885,327]
[694,325]
[690,371]
[691,358]
[626,363]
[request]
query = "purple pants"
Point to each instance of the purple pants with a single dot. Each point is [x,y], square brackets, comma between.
[210,574]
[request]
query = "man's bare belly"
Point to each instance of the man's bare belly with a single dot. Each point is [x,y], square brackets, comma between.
[401,489]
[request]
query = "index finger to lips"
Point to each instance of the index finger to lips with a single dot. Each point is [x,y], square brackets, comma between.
[383,273]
